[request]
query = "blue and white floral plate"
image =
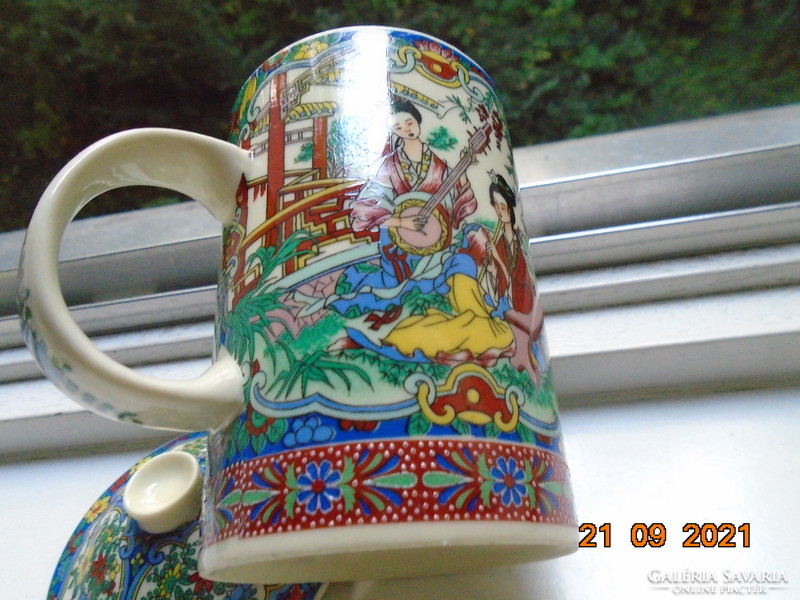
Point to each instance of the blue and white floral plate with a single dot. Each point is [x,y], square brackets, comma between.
[110,557]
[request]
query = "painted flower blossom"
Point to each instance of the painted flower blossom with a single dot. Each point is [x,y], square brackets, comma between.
[508,481]
[97,508]
[435,48]
[319,487]
[306,431]
[310,50]
[99,566]
[201,585]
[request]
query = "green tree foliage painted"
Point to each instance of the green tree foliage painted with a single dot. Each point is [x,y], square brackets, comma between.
[250,317]
[441,139]
[74,71]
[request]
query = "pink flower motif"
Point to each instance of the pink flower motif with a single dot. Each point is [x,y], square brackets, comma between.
[435,48]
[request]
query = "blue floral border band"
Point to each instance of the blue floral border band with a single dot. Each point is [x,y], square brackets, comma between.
[391,481]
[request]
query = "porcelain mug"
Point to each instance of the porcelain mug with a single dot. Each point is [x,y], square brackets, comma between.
[380,402]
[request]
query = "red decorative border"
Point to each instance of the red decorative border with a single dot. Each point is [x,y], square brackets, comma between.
[391,481]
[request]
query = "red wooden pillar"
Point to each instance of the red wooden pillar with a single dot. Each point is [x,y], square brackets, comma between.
[276,154]
[319,157]
[243,200]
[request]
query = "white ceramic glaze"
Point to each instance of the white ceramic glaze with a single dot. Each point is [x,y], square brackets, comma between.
[192,164]
[414,550]
[165,492]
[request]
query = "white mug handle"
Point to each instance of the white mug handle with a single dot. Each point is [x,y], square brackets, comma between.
[192,164]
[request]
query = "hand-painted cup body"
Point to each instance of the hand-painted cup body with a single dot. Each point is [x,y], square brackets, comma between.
[398,415]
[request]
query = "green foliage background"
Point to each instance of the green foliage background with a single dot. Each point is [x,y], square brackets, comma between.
[74,71]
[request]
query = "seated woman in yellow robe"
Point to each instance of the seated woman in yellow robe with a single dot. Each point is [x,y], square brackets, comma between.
[475,330]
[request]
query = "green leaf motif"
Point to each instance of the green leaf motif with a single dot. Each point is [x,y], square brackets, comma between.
[442,479]
[373,463]
[258,419]
[461,498]
[526,470]
[460,426]
[394,480]
[305,154]
[348,471]
[375,499]
[507,376]
[232,498]
[486,493]
[315,368]
[491,430]
[251,317]
[540,469]
[554,487]
[291,499]
[418,424]
[270,476]
[265,518]
[291,478]
[531,495]
[525,435]
[240,436]
[441,139]
[259,442]
[483,468]
[349,496]
[343,287]
[419,303]
[459,460]
[366,267]
[252,497]
[276,431]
